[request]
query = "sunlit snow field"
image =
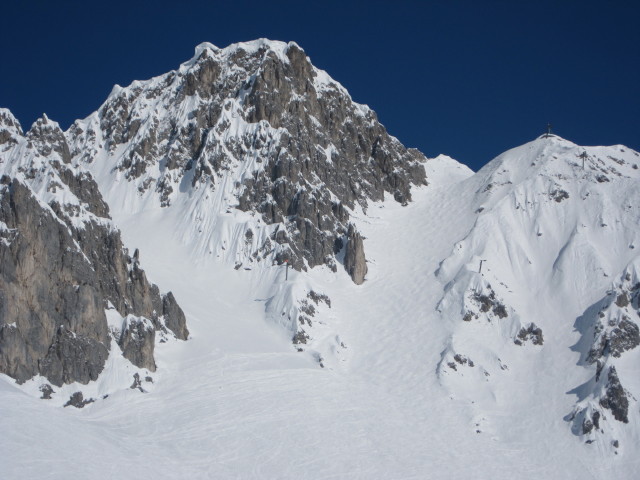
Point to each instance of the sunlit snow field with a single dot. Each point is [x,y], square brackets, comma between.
[238,401]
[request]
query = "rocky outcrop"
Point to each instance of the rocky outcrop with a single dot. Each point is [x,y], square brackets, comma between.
[609,329]
[615,327]
[615,397]
[137,341]
[10,129]
[62,263]
[484,304]
[77,400]
[588,424]
[460,360]
[354,260]
[261,117]
[531,333]
[174,317]
[46,138]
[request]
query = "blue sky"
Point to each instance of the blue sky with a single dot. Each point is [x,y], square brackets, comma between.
[466,78]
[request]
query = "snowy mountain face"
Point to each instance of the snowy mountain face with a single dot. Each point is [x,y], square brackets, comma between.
[69,288]
[551,250]
[253,127]
[491,330]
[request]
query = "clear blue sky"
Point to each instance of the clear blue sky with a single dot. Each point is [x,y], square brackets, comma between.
[466,78]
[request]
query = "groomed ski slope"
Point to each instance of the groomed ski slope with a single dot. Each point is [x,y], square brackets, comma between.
[237,400]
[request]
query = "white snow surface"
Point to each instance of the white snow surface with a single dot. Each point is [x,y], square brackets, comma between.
[238,401]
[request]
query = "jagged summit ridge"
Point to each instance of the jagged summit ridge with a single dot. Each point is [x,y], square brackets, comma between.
[277,46]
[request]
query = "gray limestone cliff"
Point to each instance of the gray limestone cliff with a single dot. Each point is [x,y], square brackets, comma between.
[354,259]
[62,263]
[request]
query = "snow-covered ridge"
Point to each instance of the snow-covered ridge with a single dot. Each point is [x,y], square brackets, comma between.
[549,224]
[38,159]
[250,47]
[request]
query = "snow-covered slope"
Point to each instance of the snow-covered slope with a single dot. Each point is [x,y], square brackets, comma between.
[495,334]
[237,402]
[547,238]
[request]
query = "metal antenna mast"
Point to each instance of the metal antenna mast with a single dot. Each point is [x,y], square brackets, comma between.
[481,262]
[583,156]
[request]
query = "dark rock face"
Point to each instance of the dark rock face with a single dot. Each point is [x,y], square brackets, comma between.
[73,358]
[588,424]
[489,302]
[307,310]
[612,329]
[137,383]
[460,361]
[307,331]
[486,303]
[48,290]
[616,327]
[615,398]
[77,400]
[317,154]
[9,129]
[300,337]
[559,195]
[60,264]
[354,259]
[137,341]
[46,138]
[623,336]
[85,188]
[46,390]
[622,300]
[531,333]
[174,317]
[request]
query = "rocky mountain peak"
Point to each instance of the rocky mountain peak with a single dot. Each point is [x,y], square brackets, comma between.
[206,49]
[47,137]
[9,126]
[258,120]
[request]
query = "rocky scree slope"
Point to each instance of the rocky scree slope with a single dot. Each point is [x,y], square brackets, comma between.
[62,265]
[253,127]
